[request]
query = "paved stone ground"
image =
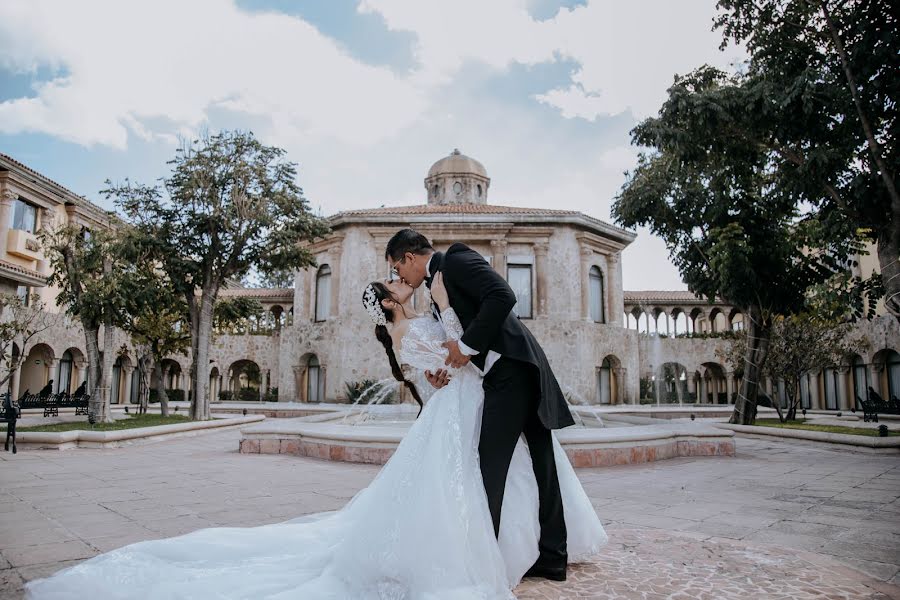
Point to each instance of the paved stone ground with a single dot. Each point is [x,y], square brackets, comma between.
[779,520]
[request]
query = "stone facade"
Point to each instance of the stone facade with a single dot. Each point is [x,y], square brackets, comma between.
[600,339]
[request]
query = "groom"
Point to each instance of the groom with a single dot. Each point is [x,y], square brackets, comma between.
[521,394]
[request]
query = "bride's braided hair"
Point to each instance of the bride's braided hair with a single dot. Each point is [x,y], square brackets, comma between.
[383,336]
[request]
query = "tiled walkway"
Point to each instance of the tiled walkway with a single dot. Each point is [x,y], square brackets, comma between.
[776,521]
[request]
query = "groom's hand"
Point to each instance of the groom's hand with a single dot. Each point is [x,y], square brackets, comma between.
[438,379]
[456,359]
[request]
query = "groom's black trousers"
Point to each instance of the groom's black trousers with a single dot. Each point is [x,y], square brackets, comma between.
[511,395]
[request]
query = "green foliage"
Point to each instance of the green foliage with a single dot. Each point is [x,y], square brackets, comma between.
[77,256]
[823,76]
[133,422]
[230,204]
[709,191]
[248,395]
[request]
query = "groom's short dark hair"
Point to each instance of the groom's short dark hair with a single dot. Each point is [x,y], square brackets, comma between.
[407,240]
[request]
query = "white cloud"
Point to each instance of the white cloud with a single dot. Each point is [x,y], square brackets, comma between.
[128,63]
[628,51]
[362,135]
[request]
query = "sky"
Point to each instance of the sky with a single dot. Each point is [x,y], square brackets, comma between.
[364,95]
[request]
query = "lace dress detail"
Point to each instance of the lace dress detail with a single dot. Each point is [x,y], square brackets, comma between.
[420,530]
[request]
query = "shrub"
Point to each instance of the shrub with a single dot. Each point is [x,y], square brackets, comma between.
[248,395]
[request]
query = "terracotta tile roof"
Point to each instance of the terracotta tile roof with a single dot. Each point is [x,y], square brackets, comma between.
[61,189]
[437,210]
[662,296]
[454,209]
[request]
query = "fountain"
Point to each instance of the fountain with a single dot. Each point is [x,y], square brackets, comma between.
[369,433]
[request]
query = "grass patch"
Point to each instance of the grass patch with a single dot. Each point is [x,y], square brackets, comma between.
[129,423]
[802,424]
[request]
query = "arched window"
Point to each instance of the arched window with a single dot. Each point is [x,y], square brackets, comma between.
[323,293]
[64,373]
[860,379]
[315,381]
[596,295]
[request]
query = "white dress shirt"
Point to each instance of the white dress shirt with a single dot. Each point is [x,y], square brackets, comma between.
[492,355]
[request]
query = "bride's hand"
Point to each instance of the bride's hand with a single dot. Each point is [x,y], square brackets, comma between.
[439,292]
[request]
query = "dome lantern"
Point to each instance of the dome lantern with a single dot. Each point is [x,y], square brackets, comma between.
[457,179]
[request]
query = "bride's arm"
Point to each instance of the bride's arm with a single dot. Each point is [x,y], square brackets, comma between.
[453,329]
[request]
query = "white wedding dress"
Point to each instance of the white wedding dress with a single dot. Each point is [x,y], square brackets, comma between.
[421,530]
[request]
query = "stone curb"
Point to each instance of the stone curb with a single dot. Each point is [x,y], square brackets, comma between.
[862,441]
[80,438]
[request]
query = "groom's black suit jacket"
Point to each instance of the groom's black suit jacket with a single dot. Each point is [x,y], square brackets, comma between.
[483,301]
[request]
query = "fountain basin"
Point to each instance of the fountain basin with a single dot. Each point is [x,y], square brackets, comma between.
[586,446]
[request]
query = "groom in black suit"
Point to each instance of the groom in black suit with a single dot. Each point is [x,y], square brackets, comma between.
[521,394]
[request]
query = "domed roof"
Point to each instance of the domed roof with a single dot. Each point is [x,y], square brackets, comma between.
[457,163]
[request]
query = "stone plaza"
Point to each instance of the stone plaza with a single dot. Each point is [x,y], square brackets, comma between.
[777,520]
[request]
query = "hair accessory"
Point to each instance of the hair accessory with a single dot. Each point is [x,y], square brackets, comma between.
[373,306]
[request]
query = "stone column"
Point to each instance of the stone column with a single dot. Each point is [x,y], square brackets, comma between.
[844,401]
[541,250]
[265,377]
[702,398]
[335,262]
[82,373]
[815,400]
[498,249]
[875,379]
[52,367]
[729,385]
[586,255]
[16,378]
[691,384]
[6,201]
[125,395]
[614,298]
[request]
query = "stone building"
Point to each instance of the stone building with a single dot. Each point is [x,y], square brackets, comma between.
[606,345]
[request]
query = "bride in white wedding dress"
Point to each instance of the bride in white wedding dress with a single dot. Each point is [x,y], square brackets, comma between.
[420,530]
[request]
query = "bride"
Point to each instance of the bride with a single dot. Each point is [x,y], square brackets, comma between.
[420,530]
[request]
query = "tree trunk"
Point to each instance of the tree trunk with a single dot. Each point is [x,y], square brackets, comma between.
[200,366]
[889,263]
[161,389]
[757,348]
[144,363]
[107,371]
[91,336]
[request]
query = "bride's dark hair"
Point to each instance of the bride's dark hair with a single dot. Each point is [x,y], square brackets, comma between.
[381,333]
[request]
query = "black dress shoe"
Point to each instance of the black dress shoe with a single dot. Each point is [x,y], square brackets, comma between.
[554,573]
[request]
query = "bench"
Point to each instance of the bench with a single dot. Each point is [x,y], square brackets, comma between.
[53,402]
[874,405]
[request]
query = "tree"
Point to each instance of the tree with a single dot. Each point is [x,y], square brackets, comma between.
[798,344]
[826,72]
[20,321]
[84,266]
[230,204]
[733,229]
